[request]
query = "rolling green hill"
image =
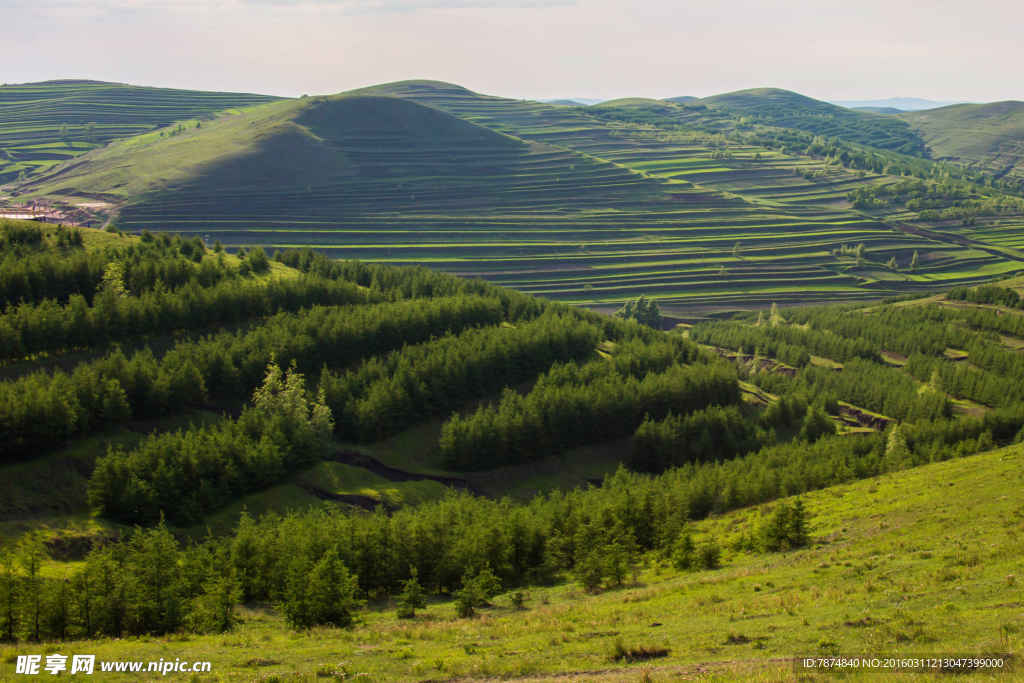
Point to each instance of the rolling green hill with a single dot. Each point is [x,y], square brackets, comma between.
[591,205]
[991,135]
[791,110]
[878,110]
[32,114]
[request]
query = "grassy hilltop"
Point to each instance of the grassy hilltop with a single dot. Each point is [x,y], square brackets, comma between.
[32,116]
[590,205]
[986,134]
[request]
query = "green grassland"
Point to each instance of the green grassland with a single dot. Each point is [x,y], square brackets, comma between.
[924,561]
[785,109]
[31,116]
[989,135]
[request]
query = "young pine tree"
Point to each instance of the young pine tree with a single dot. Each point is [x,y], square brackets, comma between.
[616,563]
[685,551]
[589,571]
[798,527]
[10,597]
[476,590]
[31,557]
[412,597]
[709,556]
[214,610]
[331,592]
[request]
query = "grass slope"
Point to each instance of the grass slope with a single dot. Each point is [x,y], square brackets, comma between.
[917,562]
[792,110]
[988,134]
[31,115]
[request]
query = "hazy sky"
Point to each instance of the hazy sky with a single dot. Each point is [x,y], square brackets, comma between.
[839,50]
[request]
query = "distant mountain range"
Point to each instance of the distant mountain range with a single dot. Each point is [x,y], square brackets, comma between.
[892,105]
[573,100]
[901,103]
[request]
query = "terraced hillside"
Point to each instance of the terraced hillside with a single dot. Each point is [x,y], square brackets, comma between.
[800,199]
[591,205]
[32,114]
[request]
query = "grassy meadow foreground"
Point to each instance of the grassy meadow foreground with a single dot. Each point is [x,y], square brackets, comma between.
[915,562]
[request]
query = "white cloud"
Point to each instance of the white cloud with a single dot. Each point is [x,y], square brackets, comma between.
[96,8]
[408,5]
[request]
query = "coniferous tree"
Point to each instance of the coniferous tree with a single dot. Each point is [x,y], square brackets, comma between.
[258,260]
[616,563]
[685,551]
[412,597]
[331,592]
[31,557]
[589,571]
[643,311]
[798,527]
[213,611]
[896,452]
[709,555]
[10,597]
[477,589]
[296,605]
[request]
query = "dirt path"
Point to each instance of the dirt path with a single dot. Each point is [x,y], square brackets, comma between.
[774,668]
[357,459]
[363,502]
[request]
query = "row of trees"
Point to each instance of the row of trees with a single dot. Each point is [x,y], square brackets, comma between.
[138,585]
[905,330]
[415,282]
[388,393]
[991,378]
[573,406]
[41,410]
[33,272]
[715,433]
[787,343]
[866,385]
[993,295]
[49,328]
[185,475]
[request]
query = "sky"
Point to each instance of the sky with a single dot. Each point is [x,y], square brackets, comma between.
[531,49]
